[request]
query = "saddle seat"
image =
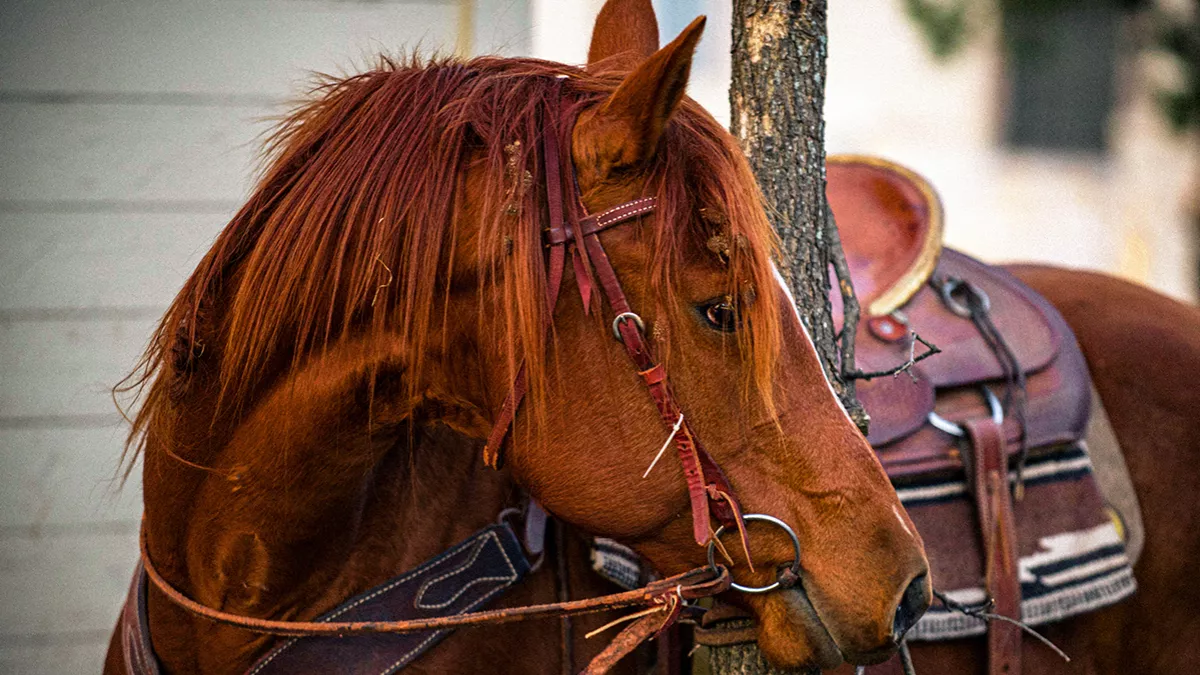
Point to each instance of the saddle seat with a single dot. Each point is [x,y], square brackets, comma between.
[1042,545]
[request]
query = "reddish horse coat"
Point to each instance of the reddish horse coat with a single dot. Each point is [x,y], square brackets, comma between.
[318,393]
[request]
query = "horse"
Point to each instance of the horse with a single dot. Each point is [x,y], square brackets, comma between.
[1143,353]
[374,361]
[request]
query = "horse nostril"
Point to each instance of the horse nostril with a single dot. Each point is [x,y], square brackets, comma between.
[912,605]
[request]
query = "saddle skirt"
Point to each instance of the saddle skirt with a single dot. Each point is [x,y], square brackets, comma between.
[1068,553]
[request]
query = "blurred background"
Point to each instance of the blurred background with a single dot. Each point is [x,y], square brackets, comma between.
[1055,130]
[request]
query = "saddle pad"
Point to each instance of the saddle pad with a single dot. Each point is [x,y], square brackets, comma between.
[1071,556]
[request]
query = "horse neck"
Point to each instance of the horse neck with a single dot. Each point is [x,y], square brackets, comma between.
[308,501]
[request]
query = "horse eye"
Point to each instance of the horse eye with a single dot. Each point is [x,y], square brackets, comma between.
[722,315]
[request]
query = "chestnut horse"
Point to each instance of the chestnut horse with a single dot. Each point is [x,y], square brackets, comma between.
[317,394]
[1143,353]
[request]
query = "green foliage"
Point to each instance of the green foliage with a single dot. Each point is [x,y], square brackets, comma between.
[944,25]
[1180,38]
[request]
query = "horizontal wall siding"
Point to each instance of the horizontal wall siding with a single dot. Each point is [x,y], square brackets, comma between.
[78,653]
[69,583]
[130,131]
[124,156]
[52,263]
[56,479]
[65,369]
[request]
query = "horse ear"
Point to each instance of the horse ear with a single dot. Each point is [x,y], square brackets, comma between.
[637,112]
[626,34]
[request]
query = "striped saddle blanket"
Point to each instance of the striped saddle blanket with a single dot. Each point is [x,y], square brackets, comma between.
[1014,365]
[1071,557]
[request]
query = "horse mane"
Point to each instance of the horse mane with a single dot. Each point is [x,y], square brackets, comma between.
[358,213]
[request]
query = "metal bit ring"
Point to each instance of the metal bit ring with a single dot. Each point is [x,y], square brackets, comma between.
[955,429]
[758,517]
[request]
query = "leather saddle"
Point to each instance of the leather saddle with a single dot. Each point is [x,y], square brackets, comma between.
[983,440]
[886,211]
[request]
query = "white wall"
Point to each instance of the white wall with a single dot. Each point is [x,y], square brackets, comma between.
[128,130]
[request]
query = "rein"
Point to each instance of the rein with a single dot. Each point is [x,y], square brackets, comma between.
[662,595]
[664,600]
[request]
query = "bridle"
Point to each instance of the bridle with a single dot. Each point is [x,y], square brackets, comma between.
[708,489]
[573,231]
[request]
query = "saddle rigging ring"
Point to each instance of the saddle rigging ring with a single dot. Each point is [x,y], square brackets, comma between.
[955,429]
[761,517]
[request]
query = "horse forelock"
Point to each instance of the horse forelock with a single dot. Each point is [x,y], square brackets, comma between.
[355,222]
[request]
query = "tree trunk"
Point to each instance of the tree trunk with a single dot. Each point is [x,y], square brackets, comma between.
[777,97]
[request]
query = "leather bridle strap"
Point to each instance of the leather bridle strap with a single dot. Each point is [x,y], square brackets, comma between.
[708,488]
[994,507]
[493,448]
[702,582]
[709,491]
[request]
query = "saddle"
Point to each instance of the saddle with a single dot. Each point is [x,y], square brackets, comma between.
[984,441]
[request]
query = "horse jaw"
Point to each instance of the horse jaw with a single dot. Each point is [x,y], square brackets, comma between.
[791,633]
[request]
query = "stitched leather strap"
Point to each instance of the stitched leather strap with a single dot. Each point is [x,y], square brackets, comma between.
[591,224]
[701,582]
[463,578]
[993,501]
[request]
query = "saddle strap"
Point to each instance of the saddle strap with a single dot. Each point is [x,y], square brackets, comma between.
[993,501]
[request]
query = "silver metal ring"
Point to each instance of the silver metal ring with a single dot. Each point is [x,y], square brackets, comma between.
[952,284]
[750,518]
[955,429]
[626,316]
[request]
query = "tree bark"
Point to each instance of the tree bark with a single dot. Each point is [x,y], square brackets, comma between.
[777,98]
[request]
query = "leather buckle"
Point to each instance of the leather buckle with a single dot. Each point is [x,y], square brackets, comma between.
[626,316]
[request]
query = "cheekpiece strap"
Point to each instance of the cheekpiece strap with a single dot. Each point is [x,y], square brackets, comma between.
[709,492]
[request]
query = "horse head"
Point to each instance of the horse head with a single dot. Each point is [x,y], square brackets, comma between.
[388,276]
[747,374]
